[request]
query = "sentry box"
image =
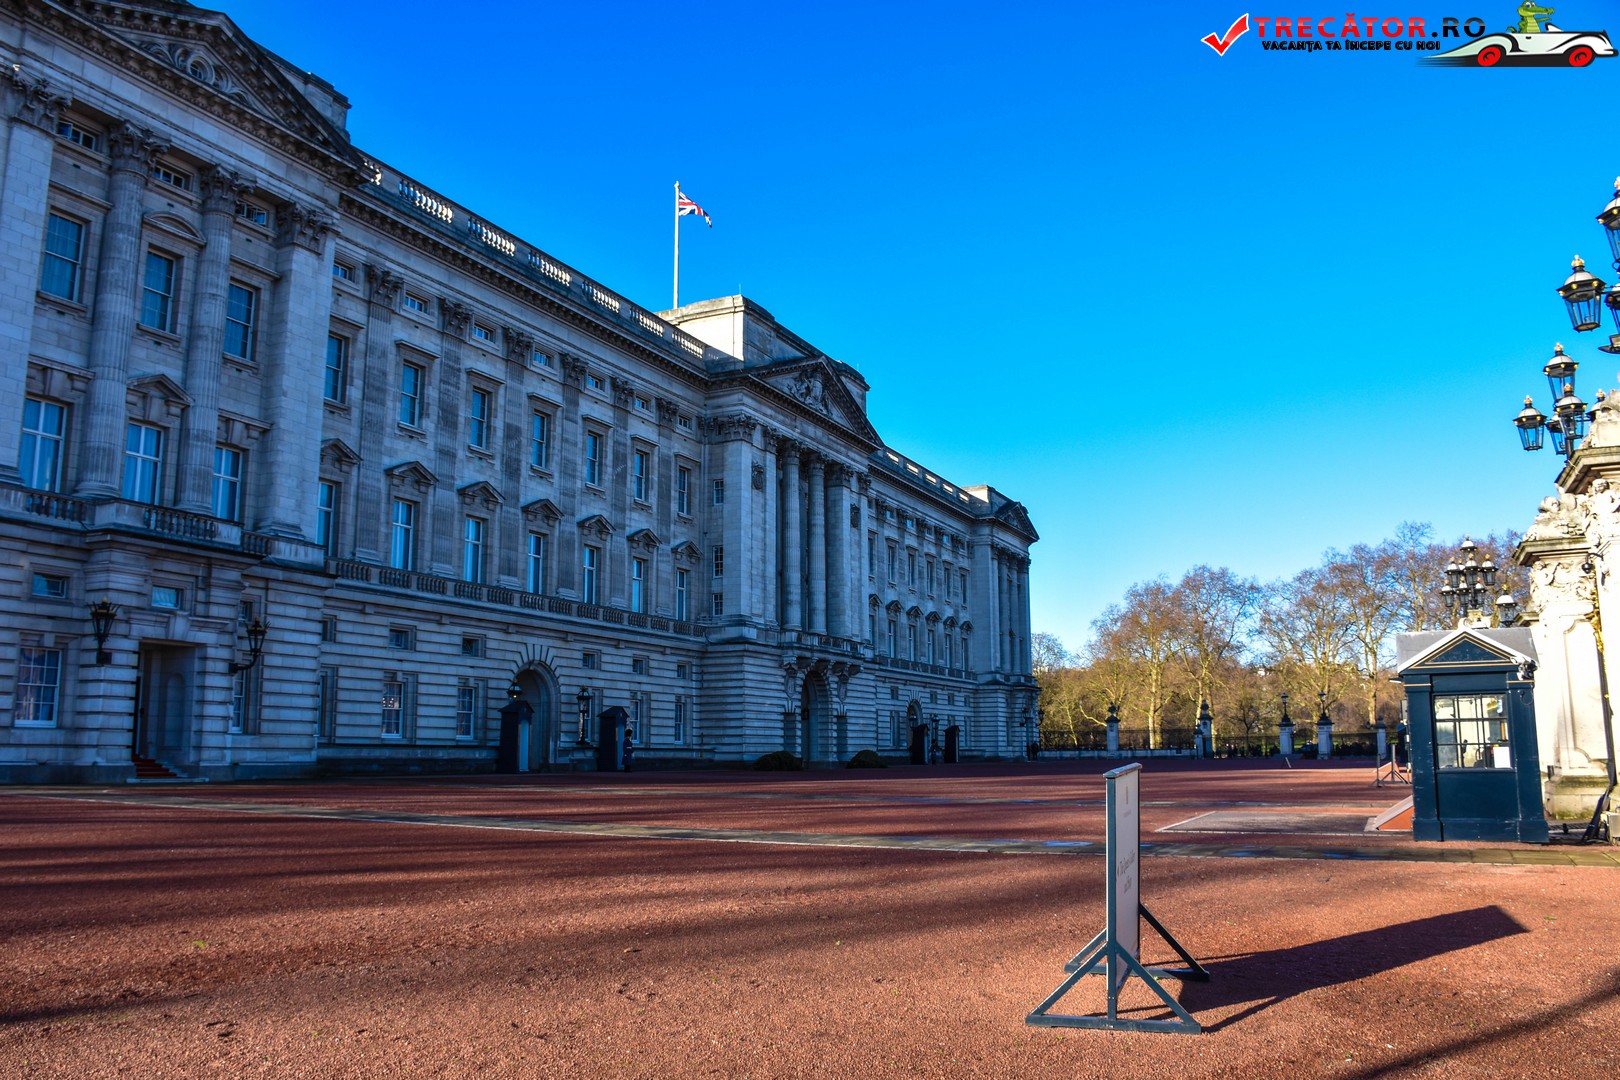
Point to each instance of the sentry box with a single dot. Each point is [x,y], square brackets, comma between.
[1472,721]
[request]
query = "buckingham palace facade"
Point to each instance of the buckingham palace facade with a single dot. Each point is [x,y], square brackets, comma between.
[307,467]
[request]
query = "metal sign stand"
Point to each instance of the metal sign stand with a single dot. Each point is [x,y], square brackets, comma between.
[1114,951]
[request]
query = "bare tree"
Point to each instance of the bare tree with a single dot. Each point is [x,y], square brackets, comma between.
[1217,610]
[1143,629]
[1306,627]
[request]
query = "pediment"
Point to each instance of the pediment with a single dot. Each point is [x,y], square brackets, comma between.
[412,472]
[1463,648]
[596,524]
[481,491]
[542,508]
[160,386]
[686,551]
[337,454]
[815,386]
[645,538]
[1017,517]
[203,58]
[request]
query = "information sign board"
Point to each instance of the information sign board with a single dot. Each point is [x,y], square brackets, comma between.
[1124,883]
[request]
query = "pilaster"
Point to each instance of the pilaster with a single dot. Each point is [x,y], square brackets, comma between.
[377,415]
[112,326]
[25,175]
[220,189]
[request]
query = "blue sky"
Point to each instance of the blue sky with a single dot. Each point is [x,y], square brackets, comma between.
[1188,308]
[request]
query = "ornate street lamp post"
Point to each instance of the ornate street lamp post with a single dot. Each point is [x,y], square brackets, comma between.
[102,614]
[255,635]
[583,698]
[1570,416]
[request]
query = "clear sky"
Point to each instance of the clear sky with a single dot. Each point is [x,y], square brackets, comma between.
[1187,308]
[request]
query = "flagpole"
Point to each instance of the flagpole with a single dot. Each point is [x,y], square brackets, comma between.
[676,300]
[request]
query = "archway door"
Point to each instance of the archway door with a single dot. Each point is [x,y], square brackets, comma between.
[538,749]
[164,709]
[814,711]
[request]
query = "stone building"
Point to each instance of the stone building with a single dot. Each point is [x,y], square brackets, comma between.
[1572,550]
[255,375]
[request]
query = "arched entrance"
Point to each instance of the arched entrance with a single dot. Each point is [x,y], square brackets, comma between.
[918,732]
[814,710]
[537,739]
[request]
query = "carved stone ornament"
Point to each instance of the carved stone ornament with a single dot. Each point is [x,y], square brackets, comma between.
[735,426]
[457,316]
[36,104]
[385,285]
[519,345]
[305,226]
[133,149]
[622,392]
[1558,519]
[1555,581]
[758,476]
[854,515]
[220,188]
[573,370]
[668,411]
[807,387]
[200,66]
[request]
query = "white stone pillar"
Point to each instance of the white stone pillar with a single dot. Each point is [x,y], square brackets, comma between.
[25,175]
[792,540]
[839,575]
[294,367]
[771,517]
[112,326]
[817,546]
[206,342]
[377,416]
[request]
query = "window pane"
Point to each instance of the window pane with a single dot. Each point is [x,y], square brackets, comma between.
[227,483]
[40,461]
[157,292]
[240,303]
[337,368]
[64,245]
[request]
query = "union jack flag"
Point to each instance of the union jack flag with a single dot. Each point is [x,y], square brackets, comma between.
[684,206]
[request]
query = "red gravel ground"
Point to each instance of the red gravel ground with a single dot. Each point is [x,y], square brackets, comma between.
[148,937]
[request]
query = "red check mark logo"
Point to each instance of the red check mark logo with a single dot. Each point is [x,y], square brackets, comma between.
[1233,32]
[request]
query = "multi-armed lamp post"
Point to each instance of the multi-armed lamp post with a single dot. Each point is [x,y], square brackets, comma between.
[1585,295]
[1468,588]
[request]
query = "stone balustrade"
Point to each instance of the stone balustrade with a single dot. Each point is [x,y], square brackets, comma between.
[529,262]
[353,570]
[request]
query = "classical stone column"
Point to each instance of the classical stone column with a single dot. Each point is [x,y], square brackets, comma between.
[25,175]
[568,468]
[220,189]
[377,415]
[838,532]
[773,539]
[512,546]
[448,445]
[792,540]
[112,325]
[293,367]
[818,544]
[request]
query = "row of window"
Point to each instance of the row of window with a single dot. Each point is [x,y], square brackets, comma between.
[44,436]
[397,710]
[925,647]
[933,573]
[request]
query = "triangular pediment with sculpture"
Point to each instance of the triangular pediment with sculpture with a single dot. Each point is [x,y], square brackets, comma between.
[202,56]
[814,384]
